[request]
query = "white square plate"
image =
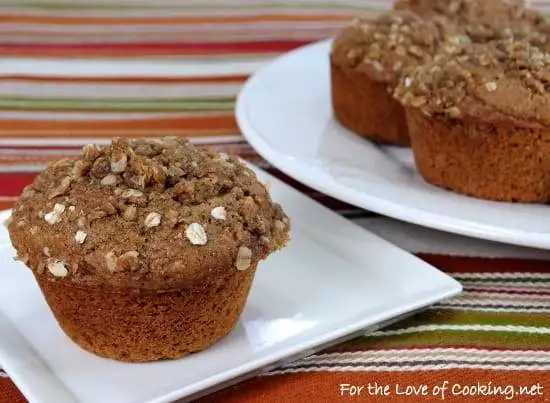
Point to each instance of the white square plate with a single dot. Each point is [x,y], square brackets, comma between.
[334,281]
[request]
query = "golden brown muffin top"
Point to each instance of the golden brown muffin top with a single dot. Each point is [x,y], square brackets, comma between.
[502,81]
[150,214]
[388,46]
[481,20]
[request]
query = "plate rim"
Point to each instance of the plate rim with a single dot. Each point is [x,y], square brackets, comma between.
[375,204]
[314,344]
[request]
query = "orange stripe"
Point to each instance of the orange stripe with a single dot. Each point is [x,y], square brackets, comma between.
[3,206]
[136,53]
[232,19]
[124,80]
[325,387]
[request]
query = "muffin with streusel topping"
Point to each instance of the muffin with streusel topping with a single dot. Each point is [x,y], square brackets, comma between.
[479,121]
[146,249]
[366,61]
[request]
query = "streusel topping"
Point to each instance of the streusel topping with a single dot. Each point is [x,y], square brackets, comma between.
[387,46]
[500,80]
[145,213]
[481,20]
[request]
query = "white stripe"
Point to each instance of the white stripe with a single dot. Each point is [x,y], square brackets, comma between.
[309,35]
[447,366]
[478,328]
[503,275]
[98,115]
[480,302]
[8,198]
[163,91]
[423,355]
[127,68]
[242,28]
[502,286]
[486,295]
[30,153]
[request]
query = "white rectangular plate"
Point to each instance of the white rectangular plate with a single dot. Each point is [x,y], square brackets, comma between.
[334,281]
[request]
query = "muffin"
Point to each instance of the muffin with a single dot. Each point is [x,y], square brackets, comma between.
[146,250]
[366,62]
[481,20]
[479,121]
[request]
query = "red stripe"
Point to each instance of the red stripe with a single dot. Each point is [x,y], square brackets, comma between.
[483,265]
[12,184]
[123,49]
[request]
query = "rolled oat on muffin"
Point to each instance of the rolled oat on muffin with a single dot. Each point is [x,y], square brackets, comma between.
[479,121]
[146,249]
[366,61]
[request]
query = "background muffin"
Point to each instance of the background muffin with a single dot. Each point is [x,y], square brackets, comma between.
[367,60]
[146,249]
[480,121]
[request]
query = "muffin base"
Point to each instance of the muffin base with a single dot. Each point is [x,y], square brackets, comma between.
[365,107]
[494,162]
[137,326]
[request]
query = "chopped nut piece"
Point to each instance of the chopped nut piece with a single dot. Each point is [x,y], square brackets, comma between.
[171,218]
[453,112]
[82,222]
[21,223]
[130,213]
[119,164]
[46,251]
[58,268]
[131,193]
[91,151]
[153,219]
[244,258]
[80,237]
[127,261]
[33,230]
[72,214]
[22,258]
[491,86]
[62,188]
[109,180]
[96,214]
[219,213]
[280,225]
[110,259]
[264,240]
[55,215]
[196,234]
[223,156]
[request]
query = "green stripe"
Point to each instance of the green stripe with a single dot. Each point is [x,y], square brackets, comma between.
[455,317]
[129,105]
[445,338]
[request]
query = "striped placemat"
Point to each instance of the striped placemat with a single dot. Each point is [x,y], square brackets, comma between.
[74,72]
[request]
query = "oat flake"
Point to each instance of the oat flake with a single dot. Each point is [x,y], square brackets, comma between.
[219,213]
[58,269]
[196,234]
